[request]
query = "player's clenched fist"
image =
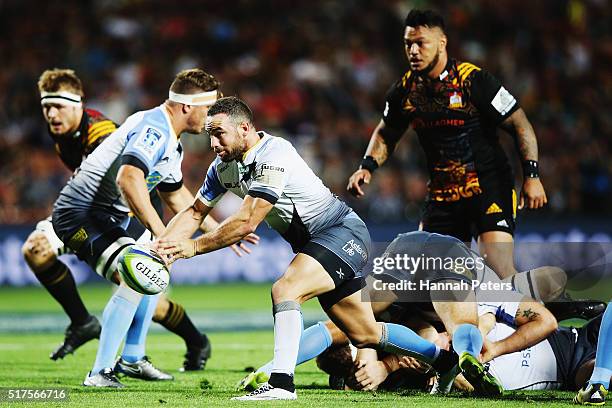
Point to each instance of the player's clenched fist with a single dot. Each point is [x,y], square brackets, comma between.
[358,178]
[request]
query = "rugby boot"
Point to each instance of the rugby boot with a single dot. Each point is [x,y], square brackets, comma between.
[141,369]
[484,383]
[196,357]
[266,392]
[252,381]
[567,308]
[105,378]
[591,394]
[76,336]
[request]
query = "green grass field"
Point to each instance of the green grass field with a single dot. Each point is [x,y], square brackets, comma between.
[24,358]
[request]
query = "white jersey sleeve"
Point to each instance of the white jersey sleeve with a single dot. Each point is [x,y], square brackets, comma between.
[270,176]
[212,190]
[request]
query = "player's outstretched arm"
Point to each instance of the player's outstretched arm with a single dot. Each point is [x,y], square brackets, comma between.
[532,193]
[382,144]
[534,323]
[182,198]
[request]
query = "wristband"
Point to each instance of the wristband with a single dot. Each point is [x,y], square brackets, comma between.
[369,163]
[531,169]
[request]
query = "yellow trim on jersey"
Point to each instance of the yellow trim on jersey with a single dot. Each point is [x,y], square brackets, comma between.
[513,203]
[465,69]
[100,129]
[244,155]
[405,78]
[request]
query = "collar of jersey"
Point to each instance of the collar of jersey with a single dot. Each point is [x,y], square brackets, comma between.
[247,156]
[163,109]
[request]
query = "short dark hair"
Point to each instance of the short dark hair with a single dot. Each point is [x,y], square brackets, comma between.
[426,18]
[190,81]
[233,107]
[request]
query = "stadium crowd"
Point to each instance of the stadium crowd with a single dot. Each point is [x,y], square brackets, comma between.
[315,72]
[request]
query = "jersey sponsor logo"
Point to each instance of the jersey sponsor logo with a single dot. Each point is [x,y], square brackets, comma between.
[153,179]
[493,209]
[148,141]
[269,174]
[386,111]
[223,167]
[455,101]
[503,101]
[351,248]
[231,185]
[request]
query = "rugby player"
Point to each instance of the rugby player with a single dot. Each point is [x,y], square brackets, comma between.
[332,244]
[91,214]
[76,132]
[416,306]
[455,108]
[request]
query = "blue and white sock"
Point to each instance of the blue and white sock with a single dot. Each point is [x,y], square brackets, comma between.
[468,338]
[134,349]
[315,340]
[116,320]
[603,360]
[398,339]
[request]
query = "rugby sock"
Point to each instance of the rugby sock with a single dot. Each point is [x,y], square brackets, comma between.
[177,322]
[467,337]
[315,340]
[116,320]
[398,339]
[59,282]
[134,349]
[288,327]
[603,360]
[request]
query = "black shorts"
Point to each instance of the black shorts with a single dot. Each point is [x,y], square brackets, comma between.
[492,210]
[573,348]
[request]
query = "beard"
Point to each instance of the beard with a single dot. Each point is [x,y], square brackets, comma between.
[431,65]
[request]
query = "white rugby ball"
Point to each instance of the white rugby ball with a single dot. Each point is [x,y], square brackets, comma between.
[143,270]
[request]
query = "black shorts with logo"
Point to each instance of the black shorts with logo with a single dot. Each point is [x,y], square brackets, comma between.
[492,210]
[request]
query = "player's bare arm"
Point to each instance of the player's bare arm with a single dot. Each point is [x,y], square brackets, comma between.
[230,231]
[182,198]
[520,128]
[382,144]
[133,187]
[534,323]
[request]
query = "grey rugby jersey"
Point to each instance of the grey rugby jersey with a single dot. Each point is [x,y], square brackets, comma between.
[273,170]
[146,140]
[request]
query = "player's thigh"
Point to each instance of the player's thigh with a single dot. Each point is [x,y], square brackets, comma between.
[455,308]
[446,219]
[354,316]
[497,249]
[304,279]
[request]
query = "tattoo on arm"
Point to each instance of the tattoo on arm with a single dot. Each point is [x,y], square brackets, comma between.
[519,127]
[530,314]
[383,143]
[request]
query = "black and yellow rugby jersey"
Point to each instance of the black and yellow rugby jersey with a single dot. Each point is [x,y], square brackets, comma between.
[93,129]
[455,117]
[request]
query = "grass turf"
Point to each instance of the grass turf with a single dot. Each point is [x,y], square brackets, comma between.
[25,362]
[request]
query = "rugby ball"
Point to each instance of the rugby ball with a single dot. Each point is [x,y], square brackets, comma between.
[143,270]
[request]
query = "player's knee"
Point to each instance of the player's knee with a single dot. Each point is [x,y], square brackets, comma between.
[38,253]
[282,291]
[366,337]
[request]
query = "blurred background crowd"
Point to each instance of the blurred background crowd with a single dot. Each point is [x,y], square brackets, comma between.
[314,72]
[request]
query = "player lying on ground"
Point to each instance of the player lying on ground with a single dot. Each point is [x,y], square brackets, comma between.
[533,320]
[331,242]
[76,132]
[92,212]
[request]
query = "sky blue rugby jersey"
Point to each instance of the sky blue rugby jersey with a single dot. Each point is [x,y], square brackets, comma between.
[273,170]
[145,140]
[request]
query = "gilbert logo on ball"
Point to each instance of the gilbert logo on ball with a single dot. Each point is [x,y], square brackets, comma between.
[143,270]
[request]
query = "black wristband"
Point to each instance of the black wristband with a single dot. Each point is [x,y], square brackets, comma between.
[369,163]
[531,169]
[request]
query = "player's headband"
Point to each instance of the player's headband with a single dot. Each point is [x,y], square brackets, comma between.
[200,99]
[61,97]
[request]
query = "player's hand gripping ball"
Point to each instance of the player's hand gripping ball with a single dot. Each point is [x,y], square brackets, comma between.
[143,270]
